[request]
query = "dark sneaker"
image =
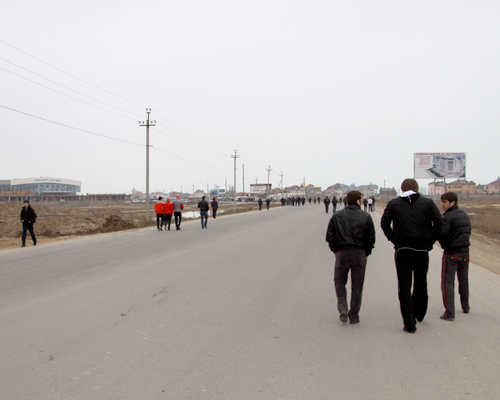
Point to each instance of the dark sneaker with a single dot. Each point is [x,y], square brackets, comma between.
[446,318]
[23,245]
[34,243]
[354,321]
[343,316]
[409,330]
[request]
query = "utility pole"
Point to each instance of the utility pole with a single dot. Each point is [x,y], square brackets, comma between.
[147,124]
[234,188]
[281,183]
[193,191]
[226,187]
[208,191]
[268,173]
[255,180]
[181,190]
[243,173]
[305,190]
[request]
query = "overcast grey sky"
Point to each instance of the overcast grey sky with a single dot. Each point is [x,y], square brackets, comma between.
[333,91]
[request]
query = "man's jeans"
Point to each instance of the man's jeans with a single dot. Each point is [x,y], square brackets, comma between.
[204,217]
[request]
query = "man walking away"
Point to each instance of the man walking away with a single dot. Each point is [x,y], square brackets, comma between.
[203,206]
[215,206]
[28,218]
[268,201]
[159,214]
[334,204]
[178,207]
[351,237]
[168,210]
[260,204]
[370,204]
[327,203]
[416,225]
[365,203]
[455,243]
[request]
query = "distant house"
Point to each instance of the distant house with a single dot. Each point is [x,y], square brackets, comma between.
[437,188]
[493,187]
[461,187]
[388,193]
[368,190]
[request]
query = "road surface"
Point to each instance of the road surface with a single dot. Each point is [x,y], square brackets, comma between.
[242,310]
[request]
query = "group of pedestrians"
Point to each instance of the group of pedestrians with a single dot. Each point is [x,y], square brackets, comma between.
[165,210]
[413,224]
[369,203]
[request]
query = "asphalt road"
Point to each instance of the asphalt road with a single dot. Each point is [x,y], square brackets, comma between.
[242,310]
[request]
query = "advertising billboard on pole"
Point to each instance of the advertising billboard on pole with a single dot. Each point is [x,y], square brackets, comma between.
[439,165]
[258,189]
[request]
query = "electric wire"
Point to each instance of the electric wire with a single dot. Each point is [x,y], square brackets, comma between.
[67,95]
[73,76]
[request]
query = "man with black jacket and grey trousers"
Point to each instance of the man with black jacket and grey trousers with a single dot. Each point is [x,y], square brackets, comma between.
[351,237]
[455,243]
[416,225]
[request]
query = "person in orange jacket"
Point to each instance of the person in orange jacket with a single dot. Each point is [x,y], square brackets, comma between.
[168,210]
[159,214]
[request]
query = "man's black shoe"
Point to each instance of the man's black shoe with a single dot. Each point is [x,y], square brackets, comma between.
[446,318]
[23,245]
[409,330]
[343,316]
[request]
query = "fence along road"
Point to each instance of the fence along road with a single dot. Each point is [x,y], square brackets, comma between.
[242,310]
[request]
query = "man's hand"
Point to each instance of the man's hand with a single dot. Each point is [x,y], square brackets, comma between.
[335,254]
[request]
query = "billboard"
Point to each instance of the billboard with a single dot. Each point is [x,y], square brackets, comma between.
[439,165]
[259,189]
[218,193]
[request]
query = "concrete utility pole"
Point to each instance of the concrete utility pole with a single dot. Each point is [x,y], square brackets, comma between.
[281,183]
[268,173]
[147,124]
[208,191]
[234,188]
[226,187]
[193,190]
[243,173]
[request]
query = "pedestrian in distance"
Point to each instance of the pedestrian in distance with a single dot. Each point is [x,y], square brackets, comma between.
[310,201]
[351,237]
[260,204]
[413,224]
[455,243]
[370,204]
[168,210]
[327,203]
[303,201]
[28,218]
[268,202]
[373,203]
[319,200]
[159,214]
[315,200]
[334,204]
[203,206]
[365,204]
[215,206]
[178,207]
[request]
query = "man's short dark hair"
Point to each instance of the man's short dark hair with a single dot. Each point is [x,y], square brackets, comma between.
[409,184]
[26,201]
[353,196]
[203,197]
[450,196]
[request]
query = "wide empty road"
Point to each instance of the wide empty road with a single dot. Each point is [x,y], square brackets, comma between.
[245,309]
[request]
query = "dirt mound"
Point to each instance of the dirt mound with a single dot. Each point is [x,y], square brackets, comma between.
[13,210]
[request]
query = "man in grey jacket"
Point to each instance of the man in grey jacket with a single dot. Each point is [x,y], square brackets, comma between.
[178,207]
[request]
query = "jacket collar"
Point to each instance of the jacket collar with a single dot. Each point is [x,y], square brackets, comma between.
[354,207]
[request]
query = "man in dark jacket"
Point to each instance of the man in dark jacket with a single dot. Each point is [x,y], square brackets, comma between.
[203,206]
[268,202]
[334,204]
[260,204]
[351,237]
[416,225]
[215,206]
[327,203]
[455,243]
[28,218]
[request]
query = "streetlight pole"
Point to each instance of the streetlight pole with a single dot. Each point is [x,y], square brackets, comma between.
[234,188]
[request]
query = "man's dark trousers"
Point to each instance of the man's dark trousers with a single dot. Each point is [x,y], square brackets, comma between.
[178,219]
[214,212]
[28,226]
[355,261]
[412,264]
[455,263]
[326,207]
[168,218]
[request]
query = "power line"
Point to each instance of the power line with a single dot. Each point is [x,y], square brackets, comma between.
[71,127]
[71,97]
[189,161]
[47,79]
[73,76]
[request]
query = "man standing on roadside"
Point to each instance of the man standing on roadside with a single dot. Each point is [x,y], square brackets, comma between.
[351,237]
[416,225]
[28,218]
[168,210]
[178,207]
[159,214]
[203,206]
[455,243]
[215,206]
